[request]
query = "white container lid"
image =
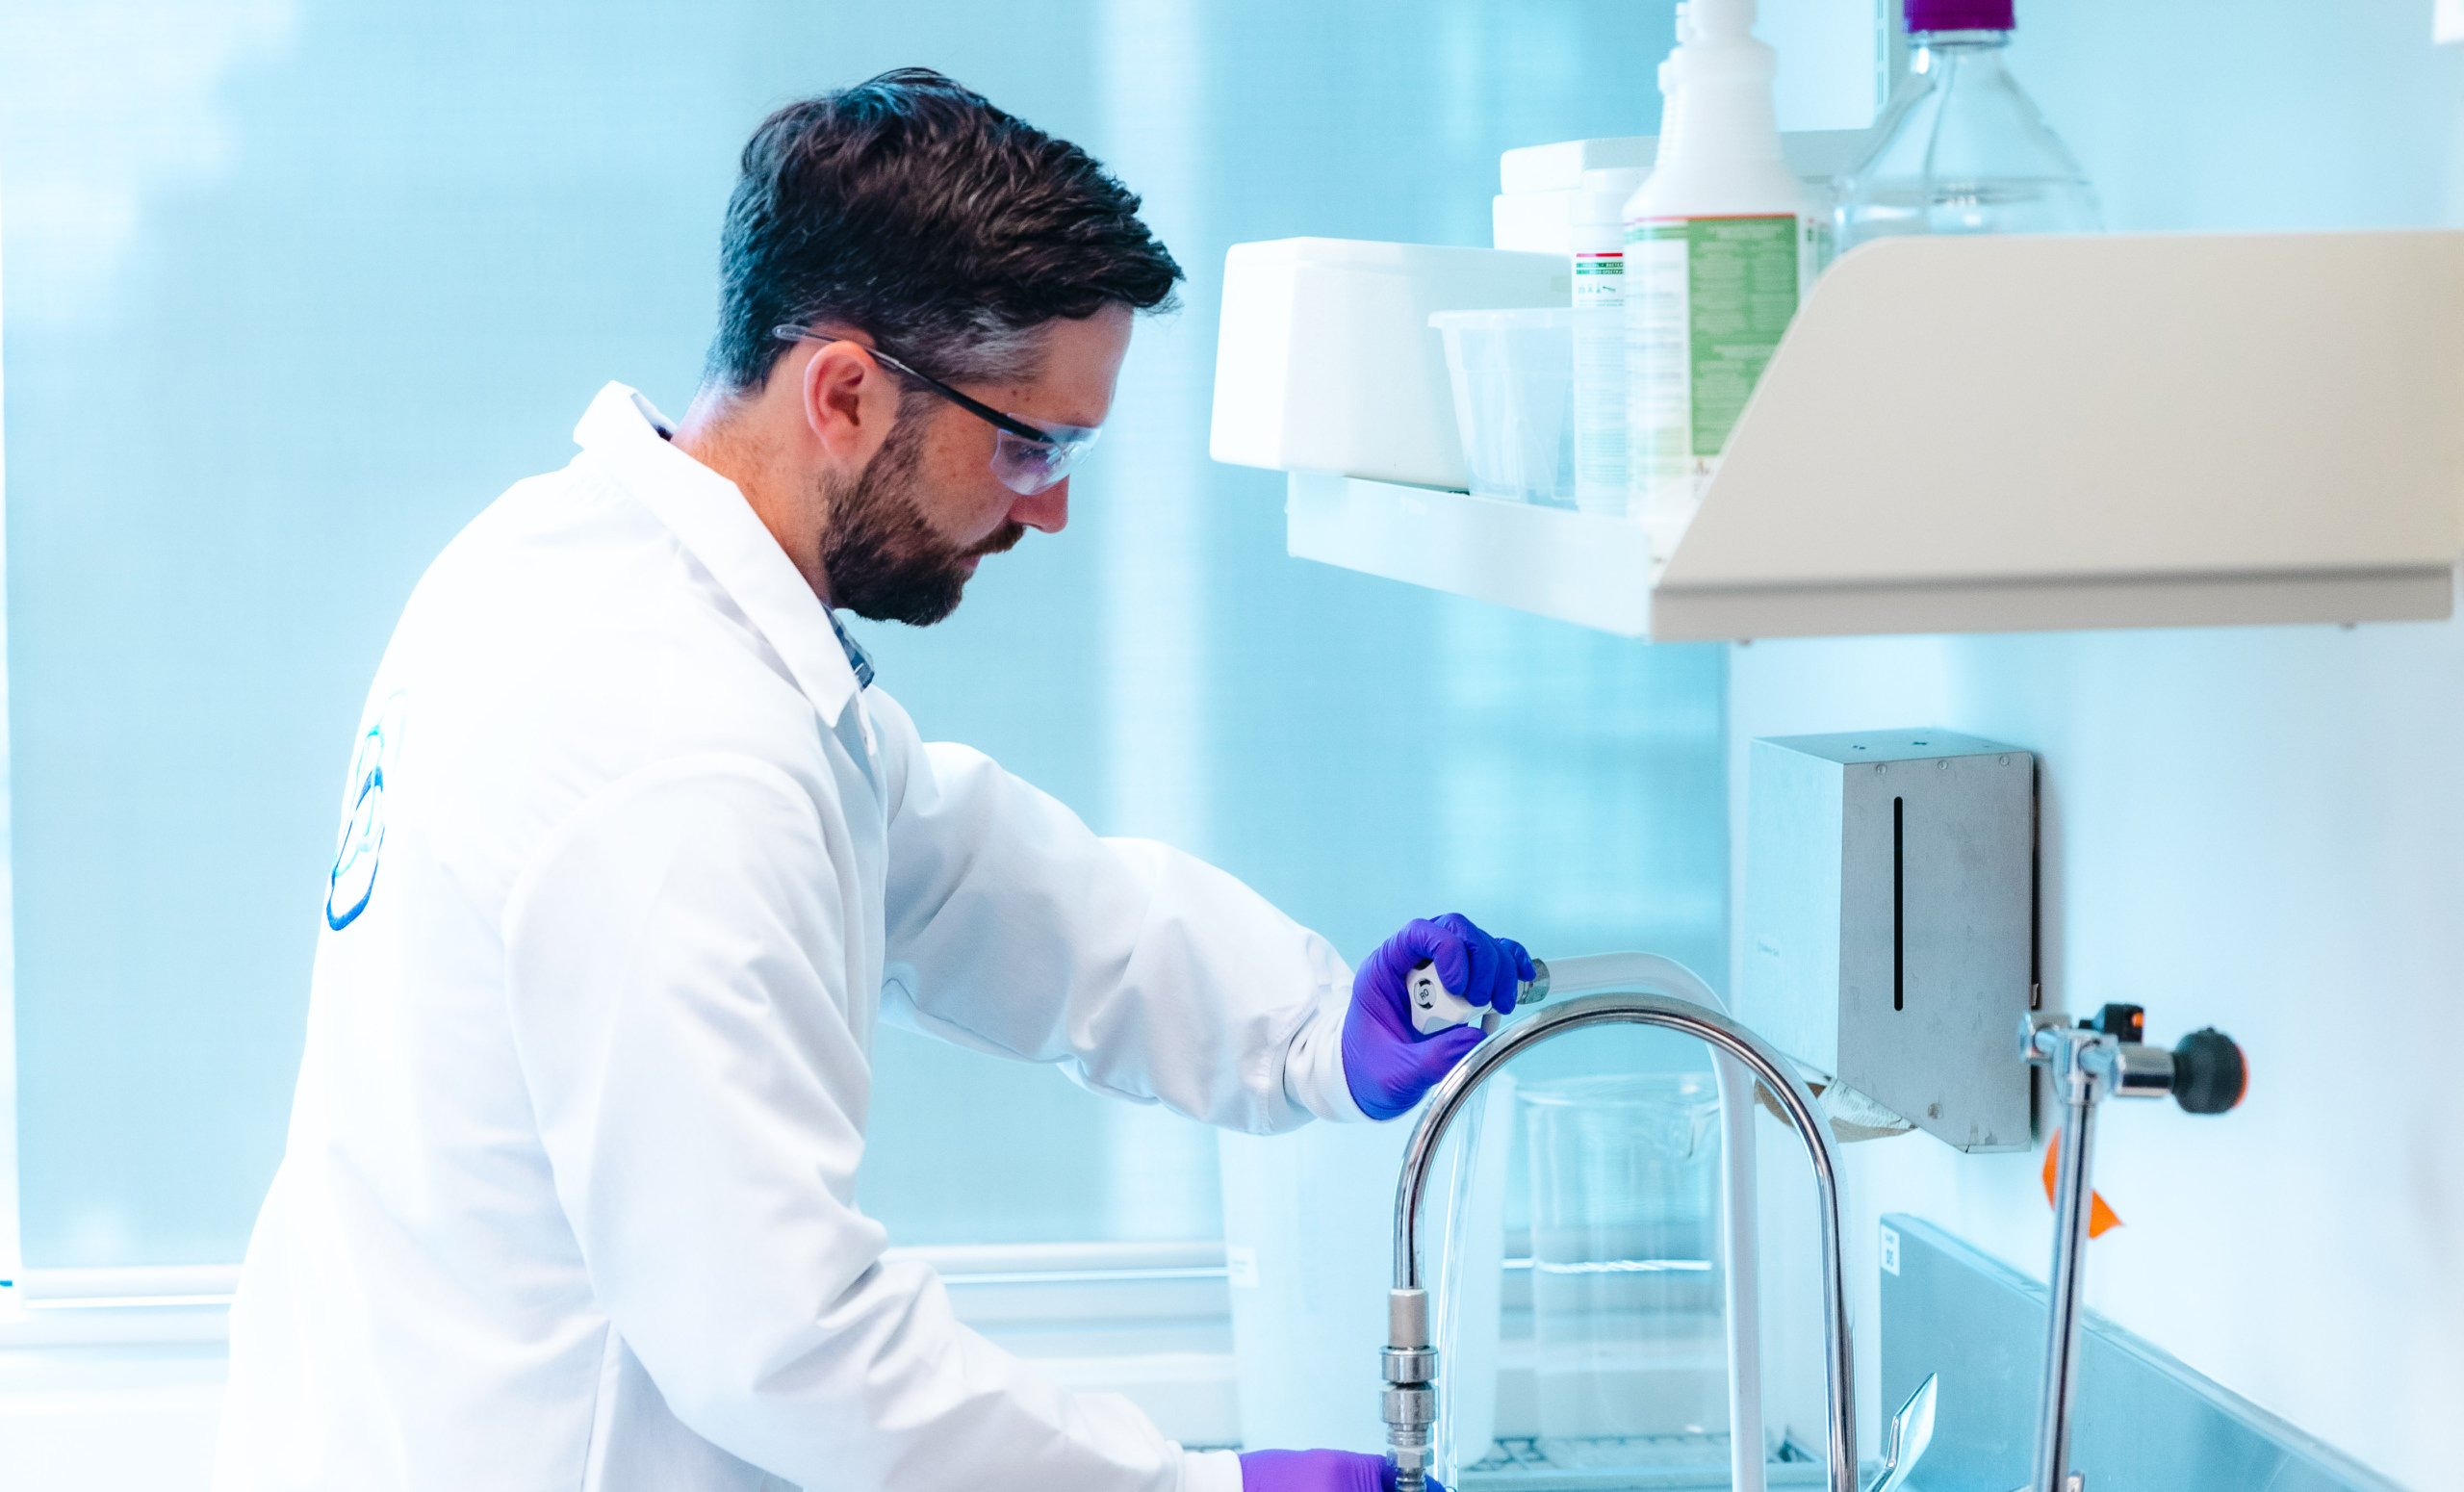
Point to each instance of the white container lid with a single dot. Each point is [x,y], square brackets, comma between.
[1559,166]
[1602,201]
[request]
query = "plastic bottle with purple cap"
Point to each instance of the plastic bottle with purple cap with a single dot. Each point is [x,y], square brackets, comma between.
[1960,147]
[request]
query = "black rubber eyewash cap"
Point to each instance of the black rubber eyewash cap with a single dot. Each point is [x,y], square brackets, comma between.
[2209,1074]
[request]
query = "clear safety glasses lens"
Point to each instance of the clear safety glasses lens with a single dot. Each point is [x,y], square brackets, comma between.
[1027,467]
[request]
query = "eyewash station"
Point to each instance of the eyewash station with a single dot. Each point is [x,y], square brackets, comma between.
[1673,404]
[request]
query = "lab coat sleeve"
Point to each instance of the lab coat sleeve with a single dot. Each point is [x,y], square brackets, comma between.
[678,995]
[1149,974]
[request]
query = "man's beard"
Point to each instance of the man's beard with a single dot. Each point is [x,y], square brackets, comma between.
[882,558]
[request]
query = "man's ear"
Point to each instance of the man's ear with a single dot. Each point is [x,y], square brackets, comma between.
[849,400]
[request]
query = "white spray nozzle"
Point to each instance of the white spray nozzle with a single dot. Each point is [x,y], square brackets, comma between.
[1434,1006]
[1719,20]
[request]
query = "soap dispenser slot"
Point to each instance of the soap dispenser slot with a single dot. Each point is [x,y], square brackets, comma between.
[1899,904]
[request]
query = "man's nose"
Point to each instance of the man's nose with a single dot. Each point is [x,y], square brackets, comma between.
[1046,512]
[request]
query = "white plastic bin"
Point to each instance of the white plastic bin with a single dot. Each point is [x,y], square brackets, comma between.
[1513,376]
[1326,363]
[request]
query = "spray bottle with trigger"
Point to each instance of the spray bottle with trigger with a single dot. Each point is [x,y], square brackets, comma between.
[1435,1008]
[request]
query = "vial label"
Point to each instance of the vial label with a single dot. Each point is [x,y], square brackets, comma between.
[1599,281]
[1599,383]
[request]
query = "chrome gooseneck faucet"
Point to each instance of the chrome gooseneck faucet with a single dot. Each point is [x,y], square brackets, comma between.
[1642,998]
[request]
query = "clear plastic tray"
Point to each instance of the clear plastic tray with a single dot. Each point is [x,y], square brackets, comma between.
[1513,376]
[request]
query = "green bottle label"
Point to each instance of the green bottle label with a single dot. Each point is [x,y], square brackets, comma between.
[1718,295]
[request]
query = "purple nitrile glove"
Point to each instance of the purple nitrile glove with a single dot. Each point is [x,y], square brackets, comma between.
[1318,1471]
[1388,1063]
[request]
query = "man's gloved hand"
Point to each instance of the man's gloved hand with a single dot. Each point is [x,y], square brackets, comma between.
[1318,1471]
[1388,1063]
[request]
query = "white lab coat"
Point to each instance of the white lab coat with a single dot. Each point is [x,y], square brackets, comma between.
[631,867]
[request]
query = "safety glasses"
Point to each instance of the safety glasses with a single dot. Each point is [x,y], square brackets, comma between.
[1028,455]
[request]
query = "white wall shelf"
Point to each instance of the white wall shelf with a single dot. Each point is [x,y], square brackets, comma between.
[2026,434]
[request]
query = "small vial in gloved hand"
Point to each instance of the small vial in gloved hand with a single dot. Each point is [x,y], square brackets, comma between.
[1434,1006]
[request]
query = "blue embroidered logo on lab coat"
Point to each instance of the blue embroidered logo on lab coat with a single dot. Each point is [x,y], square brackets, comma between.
[353,879]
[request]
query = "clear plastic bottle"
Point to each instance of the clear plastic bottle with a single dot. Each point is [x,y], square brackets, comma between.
[1962,148]
[1720,241]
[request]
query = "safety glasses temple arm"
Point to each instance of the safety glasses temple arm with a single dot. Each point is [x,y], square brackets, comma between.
[981,411]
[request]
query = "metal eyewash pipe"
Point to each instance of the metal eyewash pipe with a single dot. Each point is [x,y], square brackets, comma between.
[1411,1358]
[2076,1080]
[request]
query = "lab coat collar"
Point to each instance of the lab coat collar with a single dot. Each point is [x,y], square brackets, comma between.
[711,516]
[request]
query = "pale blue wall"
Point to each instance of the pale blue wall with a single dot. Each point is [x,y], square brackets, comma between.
[294,289]
[2260,828]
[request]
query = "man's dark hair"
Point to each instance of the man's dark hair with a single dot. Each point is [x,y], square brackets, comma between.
[910,208]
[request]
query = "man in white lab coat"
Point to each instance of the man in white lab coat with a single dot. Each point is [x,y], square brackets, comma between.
[635,857]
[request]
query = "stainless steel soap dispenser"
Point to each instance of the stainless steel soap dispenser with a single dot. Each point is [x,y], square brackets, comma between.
[1890,921]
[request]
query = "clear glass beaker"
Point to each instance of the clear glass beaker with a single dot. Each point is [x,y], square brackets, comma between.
[1627,1287]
